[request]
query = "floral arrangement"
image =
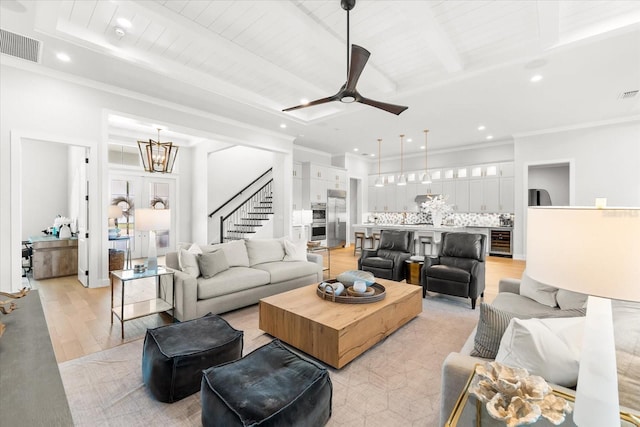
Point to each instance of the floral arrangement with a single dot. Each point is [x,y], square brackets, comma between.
[436,205]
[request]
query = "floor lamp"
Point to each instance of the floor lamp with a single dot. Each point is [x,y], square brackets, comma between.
[152,220]
[593,251]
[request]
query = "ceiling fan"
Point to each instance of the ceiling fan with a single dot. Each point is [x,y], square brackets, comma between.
[348,92]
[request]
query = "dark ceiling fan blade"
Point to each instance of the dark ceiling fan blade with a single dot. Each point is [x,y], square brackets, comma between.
[316,102]
[391,108]
[359,58]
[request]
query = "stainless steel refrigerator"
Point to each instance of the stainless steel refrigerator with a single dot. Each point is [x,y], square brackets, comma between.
[336,218]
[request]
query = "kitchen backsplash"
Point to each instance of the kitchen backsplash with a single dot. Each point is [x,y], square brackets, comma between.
[452,219]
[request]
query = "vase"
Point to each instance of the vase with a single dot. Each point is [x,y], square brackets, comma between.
[436,219]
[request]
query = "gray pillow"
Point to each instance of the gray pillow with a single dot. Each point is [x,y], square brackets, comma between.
[539,292]
[212,263]
[493,322]
[571,300]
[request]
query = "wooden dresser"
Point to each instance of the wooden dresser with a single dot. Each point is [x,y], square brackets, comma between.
[54,257]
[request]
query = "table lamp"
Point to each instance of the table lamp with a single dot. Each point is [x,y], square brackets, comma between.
[594,251]
[113,214]
[152,220]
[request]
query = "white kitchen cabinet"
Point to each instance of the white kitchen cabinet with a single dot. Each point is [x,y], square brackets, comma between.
[506,169]
[297,170]
[297,194]
[372,199]
[507,203]
[449,193]
[462,195]
[484,195]
[317,191]
[400,198]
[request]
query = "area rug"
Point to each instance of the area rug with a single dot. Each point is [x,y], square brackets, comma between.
[397,382]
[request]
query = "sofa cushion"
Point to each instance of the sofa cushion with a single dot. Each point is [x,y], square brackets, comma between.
[446,272]
[295,251]
[264,250]
[188,260]
[212,263]
[493,322]
[282,271]
[571,300]
[232,280]
[544,294]
[549,348]
[626,331]
[235,251]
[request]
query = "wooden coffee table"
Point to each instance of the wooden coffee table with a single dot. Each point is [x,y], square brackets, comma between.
[337,333]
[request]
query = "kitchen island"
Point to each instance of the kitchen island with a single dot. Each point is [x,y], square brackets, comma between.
[422,232]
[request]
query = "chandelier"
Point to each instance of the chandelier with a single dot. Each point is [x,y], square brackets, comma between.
[157,156]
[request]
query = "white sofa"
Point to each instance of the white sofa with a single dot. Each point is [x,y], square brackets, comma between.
[458,366]
[254,269]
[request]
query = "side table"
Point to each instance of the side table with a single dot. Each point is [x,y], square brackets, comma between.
[321,249]
[138,309]
[469,411]
[414,267]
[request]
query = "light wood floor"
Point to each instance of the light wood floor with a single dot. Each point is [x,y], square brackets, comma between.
[79,318]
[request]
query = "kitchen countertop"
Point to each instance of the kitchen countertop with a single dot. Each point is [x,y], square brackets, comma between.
[414,227]
[34,239]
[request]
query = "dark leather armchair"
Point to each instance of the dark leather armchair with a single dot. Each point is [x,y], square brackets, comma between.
[388,260]
[459,268]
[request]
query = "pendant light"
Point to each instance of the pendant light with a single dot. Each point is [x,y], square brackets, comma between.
[379,180]
[426,178]
[156,156]
[402,180]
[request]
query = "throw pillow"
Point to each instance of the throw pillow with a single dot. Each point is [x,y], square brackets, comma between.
[539,292]
[212,263]
[264,250]
[188,261]
[549,348]
[568,300]
[235,251]
[295,251]
[493,322]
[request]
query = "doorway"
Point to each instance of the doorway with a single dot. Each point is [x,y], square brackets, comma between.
[554,178]
[131,191]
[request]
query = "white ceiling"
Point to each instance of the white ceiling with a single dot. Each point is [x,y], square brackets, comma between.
[456,64]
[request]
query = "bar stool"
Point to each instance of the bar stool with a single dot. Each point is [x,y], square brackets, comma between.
[375,240]
[362,237]
[423,241]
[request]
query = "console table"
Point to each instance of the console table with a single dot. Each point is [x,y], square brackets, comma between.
[54,257]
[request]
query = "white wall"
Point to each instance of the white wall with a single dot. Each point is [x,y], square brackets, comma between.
[69,109]
[44,185]
[229,171]
[605,163]
[554,179]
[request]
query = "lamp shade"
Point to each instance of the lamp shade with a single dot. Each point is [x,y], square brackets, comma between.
[153,219]
[115,211]
[587,250]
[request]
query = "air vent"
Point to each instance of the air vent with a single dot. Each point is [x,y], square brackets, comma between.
[19,46]
[629,94]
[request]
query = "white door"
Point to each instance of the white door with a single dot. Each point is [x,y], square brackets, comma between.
[131,192]
[81,185]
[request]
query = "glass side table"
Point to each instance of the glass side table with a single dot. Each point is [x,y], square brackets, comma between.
[147,307]
[469,411]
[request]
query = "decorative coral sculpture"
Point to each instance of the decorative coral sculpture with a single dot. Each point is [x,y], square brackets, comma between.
[515,397]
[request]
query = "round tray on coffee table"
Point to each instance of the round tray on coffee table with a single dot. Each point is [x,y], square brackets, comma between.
[378,294]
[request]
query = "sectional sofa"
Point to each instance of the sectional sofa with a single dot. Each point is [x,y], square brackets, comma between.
[528,299]
[223,277]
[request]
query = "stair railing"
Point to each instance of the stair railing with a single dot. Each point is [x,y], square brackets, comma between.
[248,215]
[240,192]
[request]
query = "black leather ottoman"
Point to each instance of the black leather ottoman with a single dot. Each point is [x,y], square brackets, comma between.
[271,386]
[175,355]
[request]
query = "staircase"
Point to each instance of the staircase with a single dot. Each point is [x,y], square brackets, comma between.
[249,216]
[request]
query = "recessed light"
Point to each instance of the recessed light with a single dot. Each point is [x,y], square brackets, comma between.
[119,32]
[481,127]
[536,78]
[409,140]
[489,136]
[372,155]
[355,149]
[422,147]
[63,57]
[304,101]
[124,22]
[283,126]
